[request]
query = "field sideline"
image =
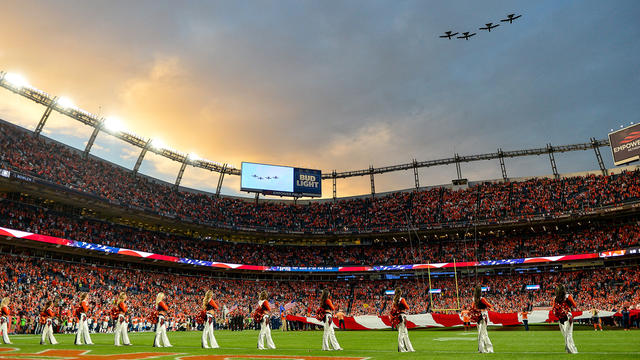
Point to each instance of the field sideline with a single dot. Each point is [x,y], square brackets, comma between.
[542,343]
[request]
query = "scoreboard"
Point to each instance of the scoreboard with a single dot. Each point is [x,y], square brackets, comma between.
[280,180]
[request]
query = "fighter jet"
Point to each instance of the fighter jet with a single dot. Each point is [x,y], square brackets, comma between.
[510,18]
[465,35]
[448,34]
[489,26]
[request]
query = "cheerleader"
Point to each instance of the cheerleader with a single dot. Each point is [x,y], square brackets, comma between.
[329,341]
[399,319]
[480,315]
[161,339]
[46,316]
[4,320]
[262,315]
[209,306]
[118,314]
[562,305]
[82,313]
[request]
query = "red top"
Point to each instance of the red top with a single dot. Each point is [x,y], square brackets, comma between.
[484,304]
[5,311]
[402,305]
[212,305]
[570,302]
[123,307]
[47,313]
[328,305]
[83,308]
[265,306]
[162,308]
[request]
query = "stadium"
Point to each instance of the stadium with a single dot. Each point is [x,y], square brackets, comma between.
[106,260]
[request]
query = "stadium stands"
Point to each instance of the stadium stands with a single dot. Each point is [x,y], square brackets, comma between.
[488,201]
[31,281]
[586,239]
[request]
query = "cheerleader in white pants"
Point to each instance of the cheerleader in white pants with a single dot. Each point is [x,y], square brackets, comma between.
[4,320]
[329,341]
[82,313]
[399,318]
[480,315]
[562,305]
[262,314]
[161,339]
[119,315]
[47,331]
[209,306]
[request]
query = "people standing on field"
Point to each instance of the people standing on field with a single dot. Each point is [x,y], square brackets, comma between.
[597,321]
[261,316]
[399,320]
[329,341]
[480,315]
[119,316]
[5,314]
[466,319]
[525,319]
[210,307]
[161,339]
[340,317]
[46,318]
[82,314]
[563,303]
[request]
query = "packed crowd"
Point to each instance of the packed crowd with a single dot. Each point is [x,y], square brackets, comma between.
[63,166]
[29,282]
[605,289]
[27,214]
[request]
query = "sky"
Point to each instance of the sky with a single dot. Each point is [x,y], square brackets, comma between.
[330,84]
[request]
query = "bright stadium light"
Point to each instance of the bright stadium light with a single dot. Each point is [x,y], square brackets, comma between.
[193,157]
[113,124]
[16,80]
[158,144]
[65,103]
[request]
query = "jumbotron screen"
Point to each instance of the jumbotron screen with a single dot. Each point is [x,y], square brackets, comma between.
[625,144]
[280,180]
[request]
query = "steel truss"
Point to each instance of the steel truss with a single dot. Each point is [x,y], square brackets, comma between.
[86,118]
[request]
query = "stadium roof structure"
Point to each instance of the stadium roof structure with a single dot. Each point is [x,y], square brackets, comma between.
[65,106]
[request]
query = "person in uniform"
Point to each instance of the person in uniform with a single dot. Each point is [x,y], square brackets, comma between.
[209,306]
[119,316]
[261,316]
[5,315]
[329,341]
[46,317]
[399,320]
[82,314]
[161,339]
[562,305]
[480,315]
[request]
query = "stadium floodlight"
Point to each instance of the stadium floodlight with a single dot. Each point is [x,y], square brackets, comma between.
[16,80]
[113,124]
[193,157]
[158,144]
[65,103]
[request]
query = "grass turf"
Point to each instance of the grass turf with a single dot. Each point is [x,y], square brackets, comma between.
[543,342]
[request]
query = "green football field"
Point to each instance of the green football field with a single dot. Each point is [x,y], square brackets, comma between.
[545,342]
